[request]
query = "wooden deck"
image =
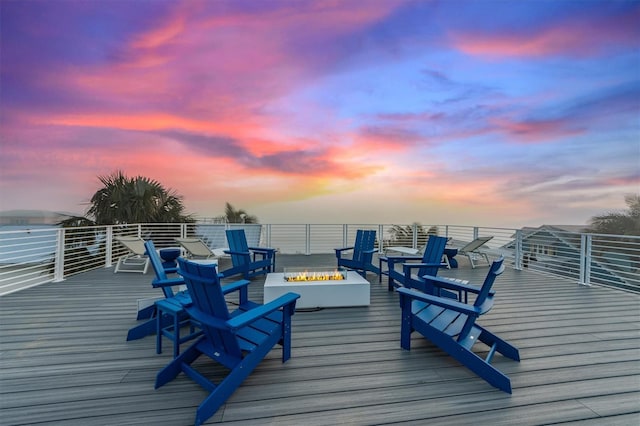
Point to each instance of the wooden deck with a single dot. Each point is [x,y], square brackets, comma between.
[64,360]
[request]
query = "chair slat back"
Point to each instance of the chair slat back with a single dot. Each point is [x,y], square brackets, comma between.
[483,300]
[432,254]
[497,268]
[156,264]
[205,289]
[252,232]
[357,246]
[238,242]
[365,241]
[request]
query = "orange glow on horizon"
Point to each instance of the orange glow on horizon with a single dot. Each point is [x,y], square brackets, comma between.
[325,108]
[149,122]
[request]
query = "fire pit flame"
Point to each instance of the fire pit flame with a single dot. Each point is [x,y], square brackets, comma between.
[301,276]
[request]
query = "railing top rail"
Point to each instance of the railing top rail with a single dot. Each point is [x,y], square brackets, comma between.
[607,258]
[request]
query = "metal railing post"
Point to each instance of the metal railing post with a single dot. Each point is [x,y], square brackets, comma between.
[583,239]
[108,251]
[585,260]
[58,269]
[517,262]
[380,239]
[345,234]
[307,239]
[414,236]
[267,232]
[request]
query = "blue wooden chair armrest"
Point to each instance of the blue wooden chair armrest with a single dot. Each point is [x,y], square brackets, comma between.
[454,284]
[393,260]
[169,282]
[267,253]
[234,286]
[241,253]
[444,302]
[370,251]
[263,249]
[226,274]
[261,311]
[407,267]
[461,286]
[396,259]
[340,250]
[206,319]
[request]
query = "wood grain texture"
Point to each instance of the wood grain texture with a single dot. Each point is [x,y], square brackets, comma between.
[64,359]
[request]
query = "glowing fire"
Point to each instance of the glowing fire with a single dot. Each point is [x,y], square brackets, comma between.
[336,275]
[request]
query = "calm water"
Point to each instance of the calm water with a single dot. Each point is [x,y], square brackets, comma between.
[27,244]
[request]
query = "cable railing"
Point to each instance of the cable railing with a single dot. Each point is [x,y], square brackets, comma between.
[39,255]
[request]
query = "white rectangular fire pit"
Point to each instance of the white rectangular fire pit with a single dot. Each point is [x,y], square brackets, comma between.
[326,292]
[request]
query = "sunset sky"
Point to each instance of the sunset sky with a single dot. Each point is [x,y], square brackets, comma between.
[490,113]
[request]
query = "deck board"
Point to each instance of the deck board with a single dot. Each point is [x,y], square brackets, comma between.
[64,360]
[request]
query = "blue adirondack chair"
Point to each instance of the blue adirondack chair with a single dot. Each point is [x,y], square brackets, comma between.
[249,261]
[237,340]
[452,325]
[430,262]
[166,284]
[362,257]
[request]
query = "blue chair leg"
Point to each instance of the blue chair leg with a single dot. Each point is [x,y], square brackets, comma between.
[143,330]
[166,327]
[171,318]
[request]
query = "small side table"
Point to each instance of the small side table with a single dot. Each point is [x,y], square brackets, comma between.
[171,309]
[169,256]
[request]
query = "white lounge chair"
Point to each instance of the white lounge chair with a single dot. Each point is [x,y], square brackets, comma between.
[197,249]
[136,259]
[409,251]
[471,250]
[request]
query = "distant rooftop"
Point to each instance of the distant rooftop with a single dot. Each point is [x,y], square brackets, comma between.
[566,228]
[32,217]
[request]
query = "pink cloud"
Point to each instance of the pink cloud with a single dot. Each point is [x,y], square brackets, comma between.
[162,34]
[624,180]
[390,137]
[535,131]
[406,130]
[579,36]
[324,16]
[146,122]
[242,62]
[246,64]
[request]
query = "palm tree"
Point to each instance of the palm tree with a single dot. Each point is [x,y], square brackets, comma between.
[231,215]
[135,200]
[123,200]
[403,235]
[619,223]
